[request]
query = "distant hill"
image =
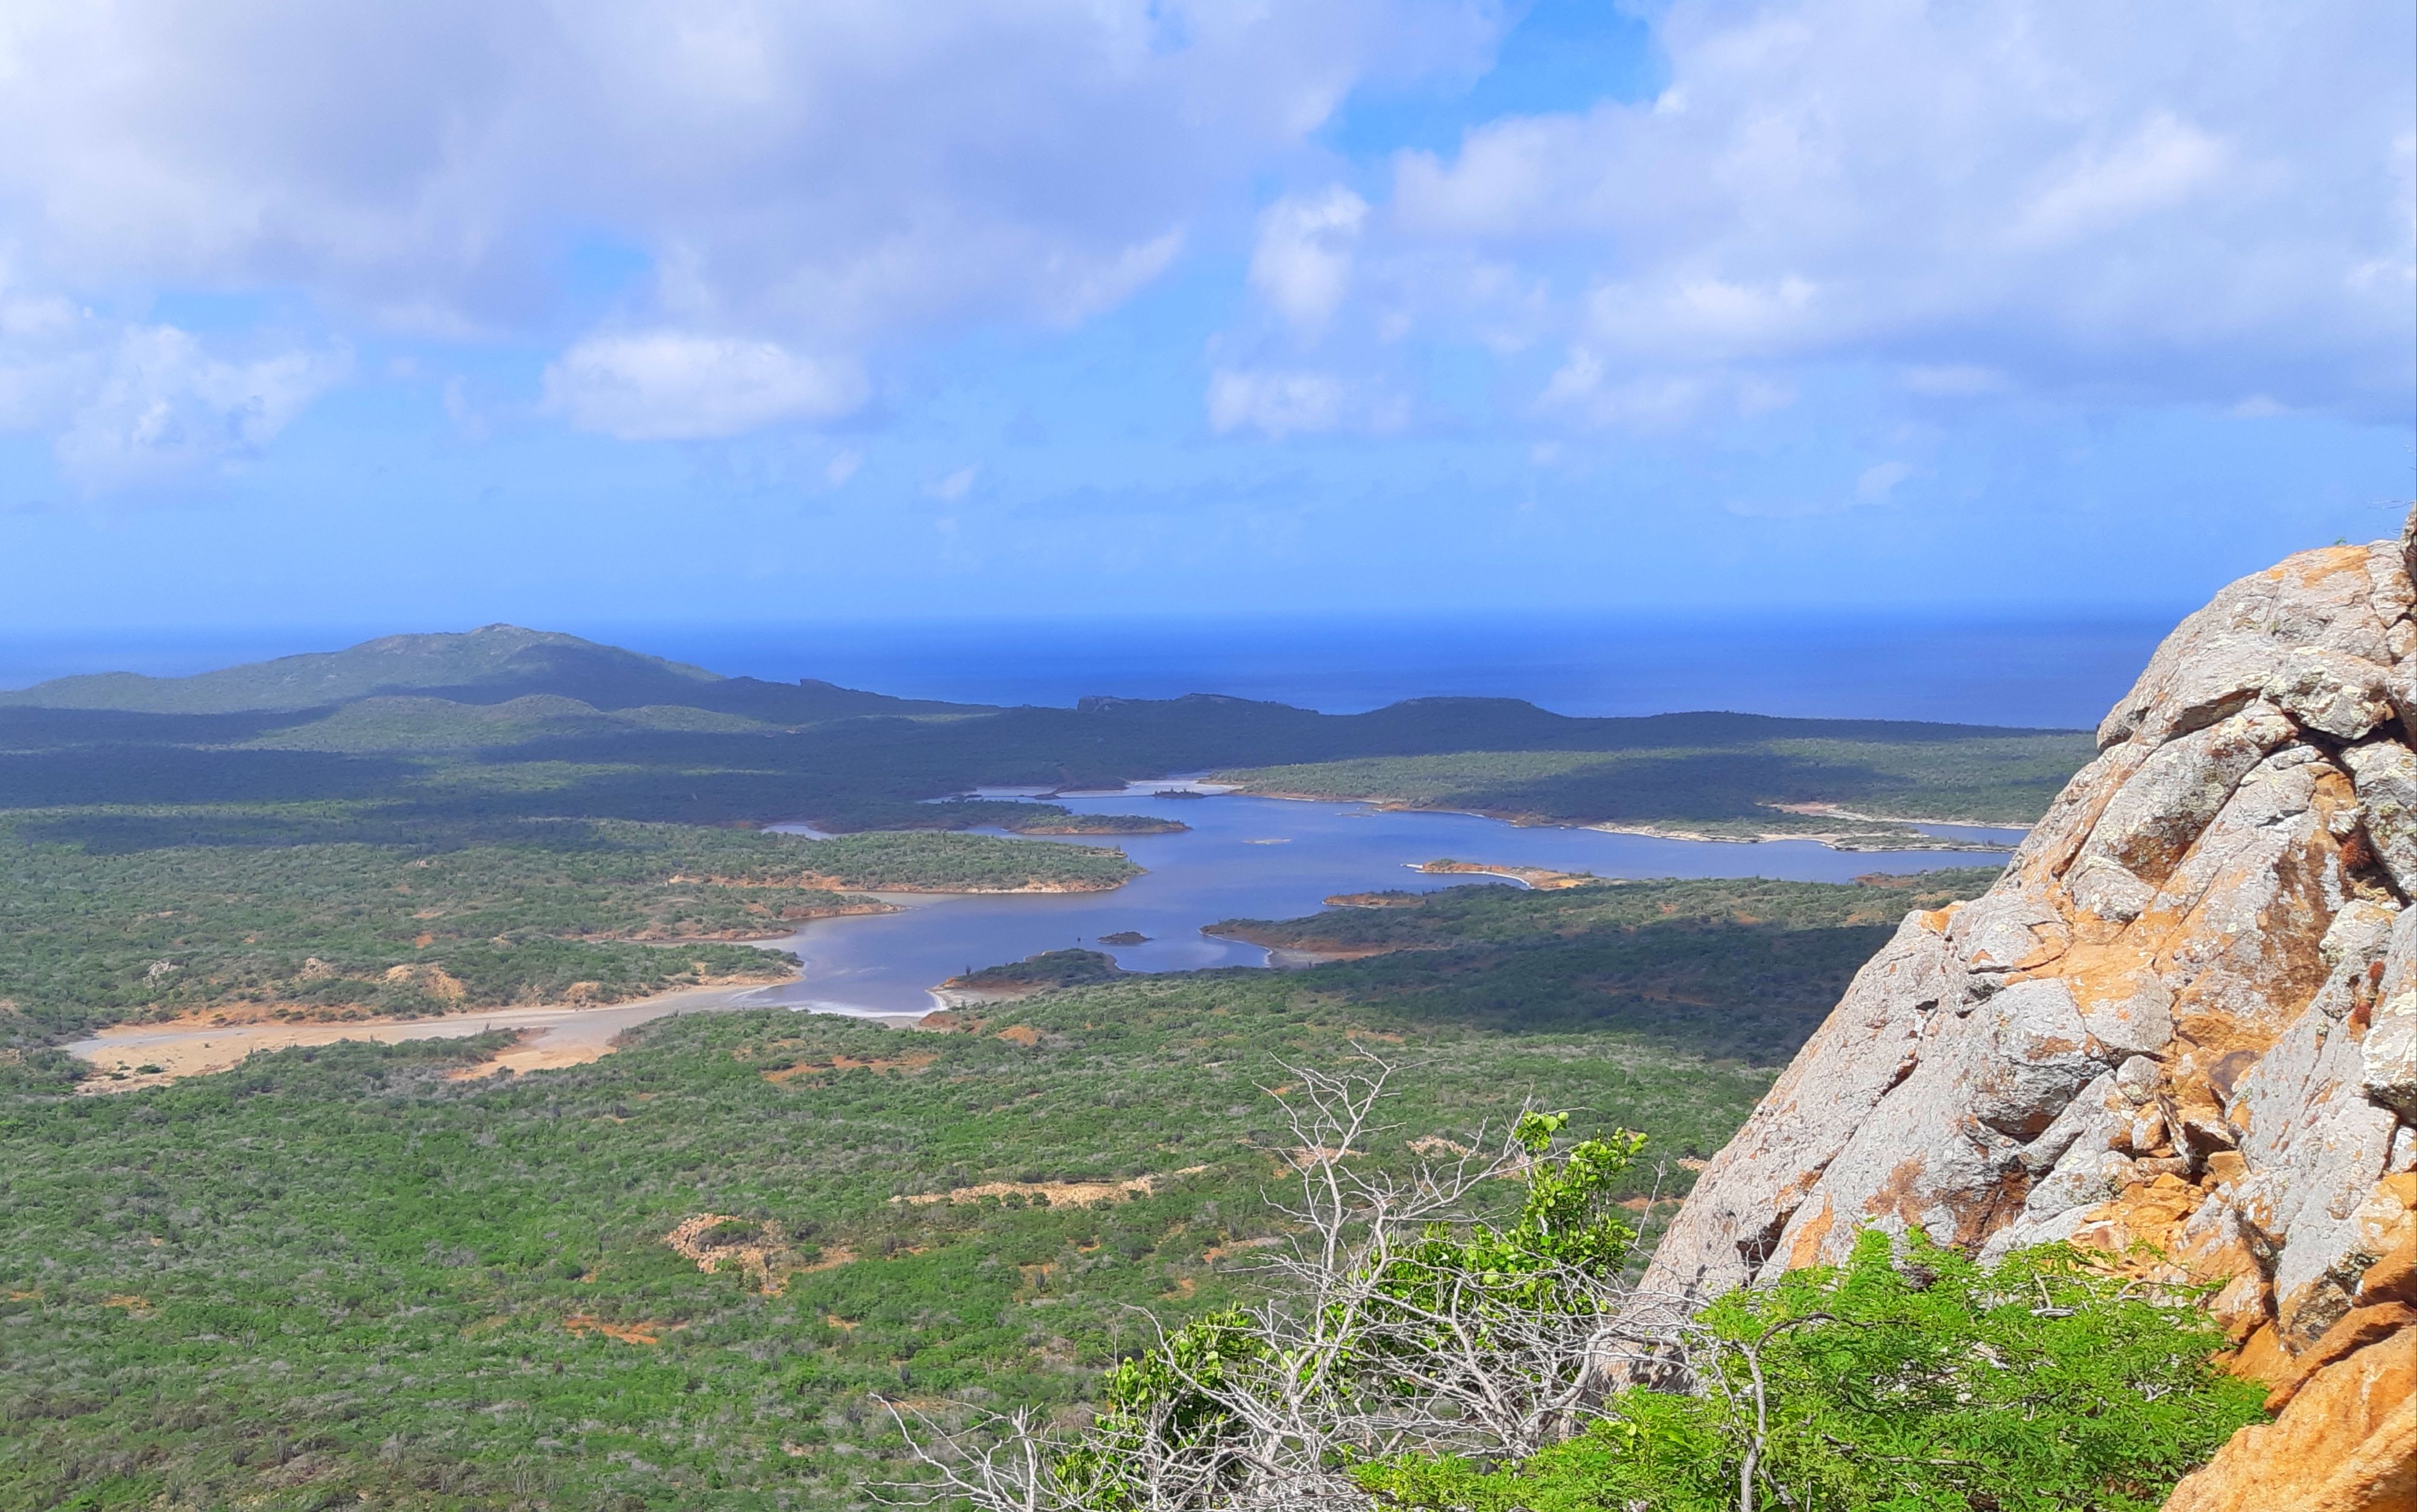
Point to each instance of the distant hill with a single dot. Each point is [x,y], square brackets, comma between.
[627,735]
[493,664]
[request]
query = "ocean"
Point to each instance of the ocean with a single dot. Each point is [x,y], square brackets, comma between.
[2059,674]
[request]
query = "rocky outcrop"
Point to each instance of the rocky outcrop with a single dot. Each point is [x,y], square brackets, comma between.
[2182,1029]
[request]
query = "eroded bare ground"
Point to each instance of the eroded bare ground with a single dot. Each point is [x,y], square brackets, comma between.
[1054,1193]
[132,1056]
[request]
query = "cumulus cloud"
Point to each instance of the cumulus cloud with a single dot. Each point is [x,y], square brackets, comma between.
[826,179]
[2173,203]
[159,405]
[675,385]
[840,167]
[1593,393]
[131,404]
[1277,402]
[2169,202]
[2160,167]
[1302,263]
[1880,480]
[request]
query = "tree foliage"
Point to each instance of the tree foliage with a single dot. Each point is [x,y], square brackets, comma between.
[1408,1361]
[1907,1378]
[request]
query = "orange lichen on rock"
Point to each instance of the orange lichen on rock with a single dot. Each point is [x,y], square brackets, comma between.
[2357,1329]
[2347,1442]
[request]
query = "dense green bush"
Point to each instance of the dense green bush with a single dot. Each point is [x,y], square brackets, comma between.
[1896,1381]
[1409,1361]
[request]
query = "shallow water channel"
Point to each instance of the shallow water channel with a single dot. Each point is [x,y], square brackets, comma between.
[1247,857]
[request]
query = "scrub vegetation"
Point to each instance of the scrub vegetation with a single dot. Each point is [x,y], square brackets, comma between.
[701,1271]
[1419,1346]
[338,1276]
[108,915]
[1731,792]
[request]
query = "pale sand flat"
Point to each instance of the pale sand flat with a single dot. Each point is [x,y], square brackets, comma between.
[550,1036]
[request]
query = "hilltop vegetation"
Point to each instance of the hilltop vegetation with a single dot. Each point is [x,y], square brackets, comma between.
[337,1277]
[392,722]
[487,666]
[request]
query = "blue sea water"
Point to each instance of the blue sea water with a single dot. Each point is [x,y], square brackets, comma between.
[2050,673]
[2059,673]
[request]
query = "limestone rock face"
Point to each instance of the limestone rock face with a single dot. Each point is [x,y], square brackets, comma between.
[2184,1019]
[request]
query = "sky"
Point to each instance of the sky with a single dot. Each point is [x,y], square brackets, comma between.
[727,312]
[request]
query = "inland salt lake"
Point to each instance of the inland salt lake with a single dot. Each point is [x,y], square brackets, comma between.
[1244,857]
[1249,857]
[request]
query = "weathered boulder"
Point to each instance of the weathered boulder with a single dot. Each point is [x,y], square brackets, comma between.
[2345,600]
[2347,1442]
[2182,1029]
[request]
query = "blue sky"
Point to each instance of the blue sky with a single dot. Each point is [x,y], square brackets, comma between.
[632,310]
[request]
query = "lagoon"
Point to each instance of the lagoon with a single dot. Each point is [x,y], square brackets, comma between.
[1252,857]
[1244,857]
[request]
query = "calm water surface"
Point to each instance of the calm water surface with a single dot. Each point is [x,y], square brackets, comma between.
[1248,857]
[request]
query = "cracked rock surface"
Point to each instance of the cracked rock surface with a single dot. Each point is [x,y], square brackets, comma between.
[2182,1029]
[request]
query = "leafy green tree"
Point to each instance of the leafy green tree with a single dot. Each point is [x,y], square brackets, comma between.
[1890,1384]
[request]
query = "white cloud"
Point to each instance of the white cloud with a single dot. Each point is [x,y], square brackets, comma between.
[843,467]
[130,404]
[2164,201]
[1583,389]
[2169,203]
[822,175]
[164,406]
[807,185]
[1302,263]
[1587,390]
[674,385]
[956,486]
[1277,404]
[2163,165]
[467,422]
[1880,480]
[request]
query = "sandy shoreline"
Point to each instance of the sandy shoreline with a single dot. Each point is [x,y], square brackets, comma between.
[551,1035]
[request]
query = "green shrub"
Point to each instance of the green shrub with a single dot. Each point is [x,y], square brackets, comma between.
[1895,1382]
